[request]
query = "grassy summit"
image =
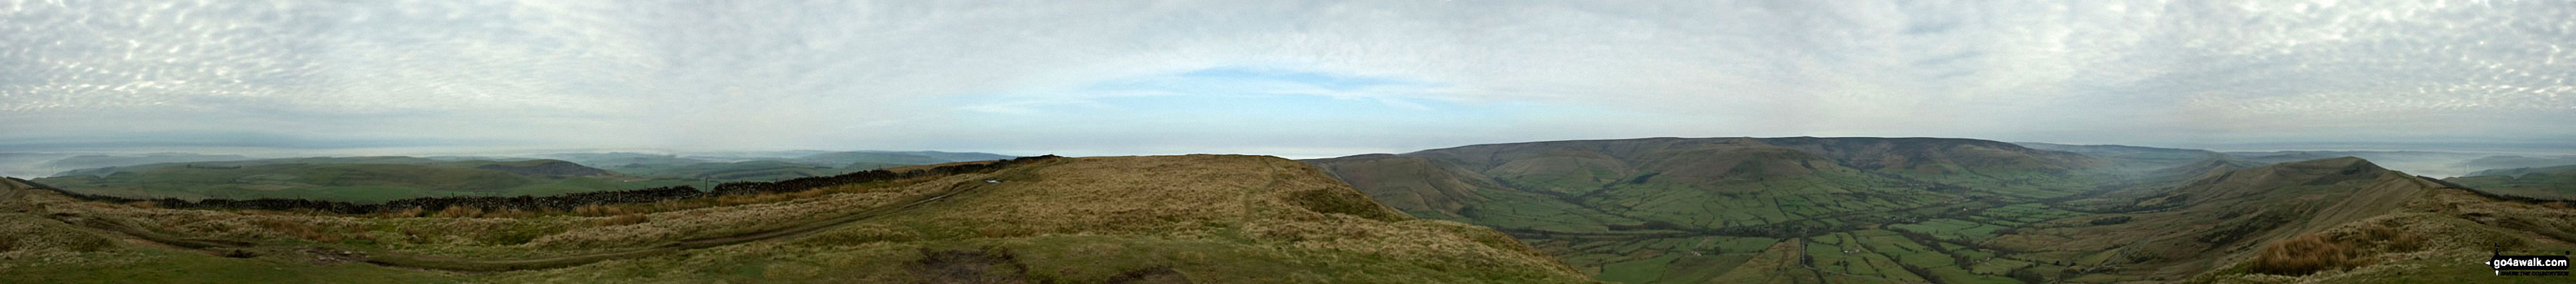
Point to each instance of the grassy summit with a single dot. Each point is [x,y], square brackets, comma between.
[1172,219]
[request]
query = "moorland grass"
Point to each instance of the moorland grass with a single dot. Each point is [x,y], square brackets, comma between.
[1210,219]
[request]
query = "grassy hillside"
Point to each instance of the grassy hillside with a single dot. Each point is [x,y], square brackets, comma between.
[364,179]
[1871,210]
[2347,221]
[1174,219]
[2556,183]
[1672,210]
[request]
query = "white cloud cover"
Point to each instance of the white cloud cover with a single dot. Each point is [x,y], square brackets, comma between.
[918,74]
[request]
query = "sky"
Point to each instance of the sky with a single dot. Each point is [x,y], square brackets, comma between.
[1291,78]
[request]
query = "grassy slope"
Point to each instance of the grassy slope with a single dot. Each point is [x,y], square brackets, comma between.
[34,249]
[1673,210]
[1203,218]
[2212,228]
[1884,210]
[2437,235]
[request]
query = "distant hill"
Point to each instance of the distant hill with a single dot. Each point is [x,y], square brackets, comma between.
[352,179]
[546,168]
[763,166]
[2514,162]
[47,164]
[737,171]
[894,158]
[2431,163]
[2133,157]
[380,178]
[1169,219]
[2558,183]
[95,161]
[625,159]
[949,156]
[2551,170]
[396,160]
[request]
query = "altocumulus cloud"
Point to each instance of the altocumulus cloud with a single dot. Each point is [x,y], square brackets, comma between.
[1315,78]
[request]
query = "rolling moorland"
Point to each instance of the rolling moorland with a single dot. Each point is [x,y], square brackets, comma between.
[378,179]
[1660,210]
[1844,210]
[351,179]
[1169,219]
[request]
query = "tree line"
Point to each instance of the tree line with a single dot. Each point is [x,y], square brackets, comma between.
[563,202]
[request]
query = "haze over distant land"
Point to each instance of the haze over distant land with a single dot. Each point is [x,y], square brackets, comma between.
[1301,79]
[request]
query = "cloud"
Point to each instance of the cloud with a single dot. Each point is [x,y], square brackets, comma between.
[701,75]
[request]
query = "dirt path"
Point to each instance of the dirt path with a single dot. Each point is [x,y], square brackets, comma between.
[10,200]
